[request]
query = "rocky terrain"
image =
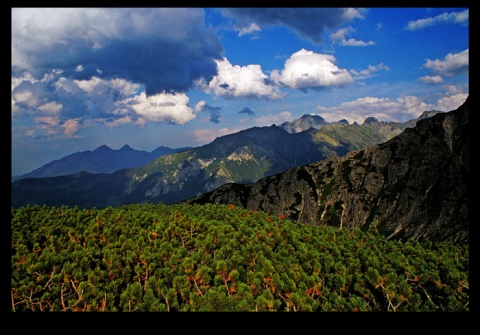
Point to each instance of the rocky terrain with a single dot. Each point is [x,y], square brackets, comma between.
[413,186]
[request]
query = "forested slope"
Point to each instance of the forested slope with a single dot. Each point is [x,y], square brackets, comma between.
[222,258]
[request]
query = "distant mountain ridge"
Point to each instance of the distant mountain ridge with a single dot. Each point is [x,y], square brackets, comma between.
[101,160]
[413,186]
[242,157]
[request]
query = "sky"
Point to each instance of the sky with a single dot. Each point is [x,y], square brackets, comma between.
[180,77]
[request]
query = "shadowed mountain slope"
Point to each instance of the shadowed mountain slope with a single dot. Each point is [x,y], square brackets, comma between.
[413,186]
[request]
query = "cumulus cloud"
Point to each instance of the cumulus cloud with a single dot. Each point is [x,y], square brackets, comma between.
[109,101]
[214,112]
[240,82]
[445,18]
[340,38]
[306,22]
[383,109]
[162,107]
[309,70]
[453,64]
[164,49]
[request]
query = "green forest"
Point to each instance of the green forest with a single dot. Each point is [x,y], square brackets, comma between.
[221,258]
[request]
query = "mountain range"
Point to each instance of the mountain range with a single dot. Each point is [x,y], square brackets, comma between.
[101,160]
[413,186]
[243,157]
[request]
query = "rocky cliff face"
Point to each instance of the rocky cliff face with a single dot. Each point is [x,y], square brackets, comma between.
[414,186]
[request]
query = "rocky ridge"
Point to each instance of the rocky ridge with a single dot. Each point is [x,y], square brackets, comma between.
[413,186]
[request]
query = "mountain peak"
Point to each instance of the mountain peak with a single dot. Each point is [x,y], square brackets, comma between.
[427,114]
[303,123]
[102,148]
[370,120]
[317,118]
[126,147]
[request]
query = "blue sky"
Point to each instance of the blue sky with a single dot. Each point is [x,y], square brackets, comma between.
[150,77]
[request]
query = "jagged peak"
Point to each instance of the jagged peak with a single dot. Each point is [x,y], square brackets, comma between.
[312,116]
[427,114]
[370,120]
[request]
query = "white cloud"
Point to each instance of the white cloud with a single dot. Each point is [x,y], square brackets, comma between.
[402,109]
[352,13]
[277,119]
[240,82]
[70,127]
[452,64]
[351,42]
[162,107]
[52,108]
[445,18]
[199,107]
[25,97]
[208,135]
[453,89]
[431,80]
[110,102]
[251,28]
[383,109]
[100,87]
[340,37]
[48,121]
[46,126]
[307,69]
[125,120]
[451,102]
[26,76]
[368,72]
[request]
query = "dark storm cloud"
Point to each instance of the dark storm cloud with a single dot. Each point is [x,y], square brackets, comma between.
[307,22]
[247,111]
[166,49]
